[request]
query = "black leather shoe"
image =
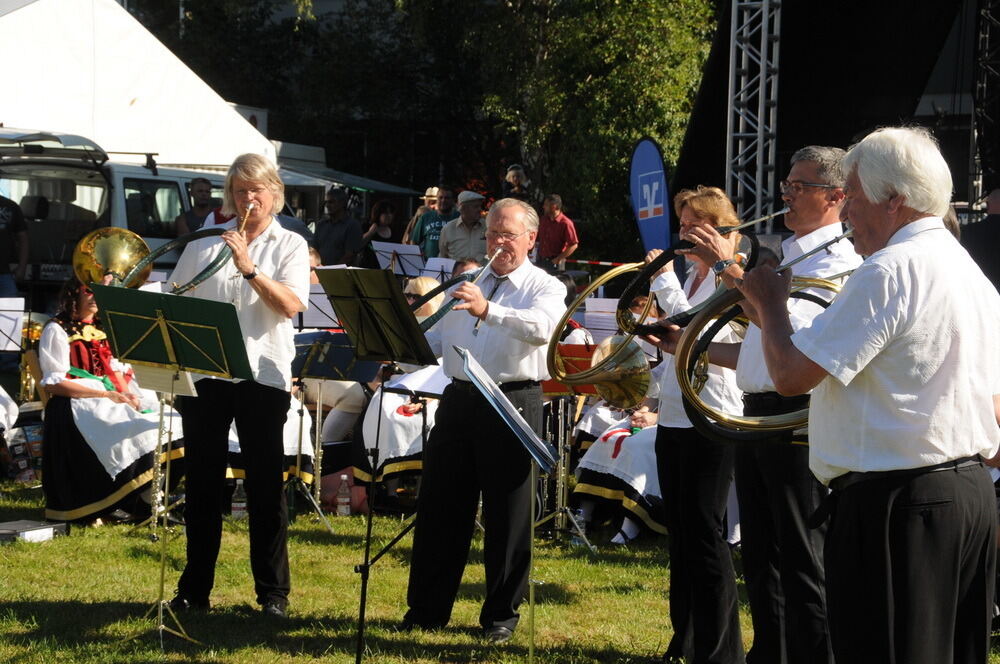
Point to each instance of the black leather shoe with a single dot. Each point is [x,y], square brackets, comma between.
[182,604]
[497,634]
[274,610]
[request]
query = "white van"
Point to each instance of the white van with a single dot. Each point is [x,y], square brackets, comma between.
[67,186]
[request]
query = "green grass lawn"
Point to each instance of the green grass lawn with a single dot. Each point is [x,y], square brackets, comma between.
[81,598]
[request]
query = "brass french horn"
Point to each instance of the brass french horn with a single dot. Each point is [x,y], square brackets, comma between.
[691,361]
[127,258]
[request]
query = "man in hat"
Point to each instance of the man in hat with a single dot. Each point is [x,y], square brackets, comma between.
[427,230]
[338,235]
[465,237]
[431,198]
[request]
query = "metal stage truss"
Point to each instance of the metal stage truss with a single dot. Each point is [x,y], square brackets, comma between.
[751,149]
[984,172]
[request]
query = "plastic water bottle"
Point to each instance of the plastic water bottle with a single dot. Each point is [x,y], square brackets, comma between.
[344,497]
[239,505]
[576,539]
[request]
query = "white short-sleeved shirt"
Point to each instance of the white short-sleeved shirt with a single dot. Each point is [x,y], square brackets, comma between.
[720,390]
[751,370]
[510,343]
[910,345]
[279,254]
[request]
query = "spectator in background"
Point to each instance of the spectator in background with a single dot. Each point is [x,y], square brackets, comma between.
[465,236]
[427,230]
[338,235]
[380,230]
[557,238]
[431,198]
[516,183]
[191,220]
[13,233]
[419,212]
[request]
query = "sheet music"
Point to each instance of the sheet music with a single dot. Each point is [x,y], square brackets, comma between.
[404,259]
[158,379]
[319,314]
[11,322]
[439,268]
[429,381]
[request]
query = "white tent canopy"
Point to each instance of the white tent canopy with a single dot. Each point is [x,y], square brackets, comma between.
[87,67]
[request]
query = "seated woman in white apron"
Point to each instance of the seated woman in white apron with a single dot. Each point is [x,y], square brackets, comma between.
[101,431]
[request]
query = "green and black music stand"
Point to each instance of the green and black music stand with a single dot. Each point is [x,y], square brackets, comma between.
[378,320]
[178,334]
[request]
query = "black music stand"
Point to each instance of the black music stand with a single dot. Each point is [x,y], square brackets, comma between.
[378,320]
[542,454]
[323,356]
[177,334]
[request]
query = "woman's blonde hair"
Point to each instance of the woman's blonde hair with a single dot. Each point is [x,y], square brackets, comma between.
[422,286]
[253,168]
[707,203]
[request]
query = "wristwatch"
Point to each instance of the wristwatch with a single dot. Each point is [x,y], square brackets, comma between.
[252,275]
[721,266]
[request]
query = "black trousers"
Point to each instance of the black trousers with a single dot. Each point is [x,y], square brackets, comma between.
[259,412]
[782,555]
[910,566]
[471,451]
[695,474]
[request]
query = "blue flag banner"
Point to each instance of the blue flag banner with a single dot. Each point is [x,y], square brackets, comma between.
[650,202]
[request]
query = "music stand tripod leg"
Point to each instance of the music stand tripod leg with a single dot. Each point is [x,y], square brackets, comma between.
[159,509]
[295,482]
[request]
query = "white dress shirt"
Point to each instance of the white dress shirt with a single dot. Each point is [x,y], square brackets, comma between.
[720,390]
[279,254]
[910,346]
[510,343]
[751,371]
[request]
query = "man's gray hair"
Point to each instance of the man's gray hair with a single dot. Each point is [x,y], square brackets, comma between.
[530,216]
[827,159]
[903,161]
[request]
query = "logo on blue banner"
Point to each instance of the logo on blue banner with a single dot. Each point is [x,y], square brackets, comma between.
[650,200]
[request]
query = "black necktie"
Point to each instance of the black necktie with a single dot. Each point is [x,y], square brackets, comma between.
[497,282]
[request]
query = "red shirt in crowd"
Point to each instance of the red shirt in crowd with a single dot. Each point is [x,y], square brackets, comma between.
[554,235]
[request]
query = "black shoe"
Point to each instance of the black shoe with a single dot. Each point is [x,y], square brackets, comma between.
[182,604]
[274,610]
[497,634]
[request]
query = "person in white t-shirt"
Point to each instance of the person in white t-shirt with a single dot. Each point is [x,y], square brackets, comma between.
[905,372]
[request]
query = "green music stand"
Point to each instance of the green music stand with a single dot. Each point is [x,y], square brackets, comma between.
[180,334]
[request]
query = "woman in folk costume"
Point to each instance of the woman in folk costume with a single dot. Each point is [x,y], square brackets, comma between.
[101,432]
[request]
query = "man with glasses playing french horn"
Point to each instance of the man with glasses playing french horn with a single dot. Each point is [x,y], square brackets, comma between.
[782,555]
[905,372]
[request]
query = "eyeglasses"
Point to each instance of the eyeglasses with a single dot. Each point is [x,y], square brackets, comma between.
[796,186]
[506,237]
[411,296]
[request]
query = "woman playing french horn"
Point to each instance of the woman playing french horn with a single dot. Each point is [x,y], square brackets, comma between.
[695,473]
[268,282]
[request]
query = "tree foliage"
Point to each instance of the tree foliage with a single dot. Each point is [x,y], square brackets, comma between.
[421,91]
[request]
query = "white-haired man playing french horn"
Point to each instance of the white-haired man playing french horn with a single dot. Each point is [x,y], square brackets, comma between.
[905,373]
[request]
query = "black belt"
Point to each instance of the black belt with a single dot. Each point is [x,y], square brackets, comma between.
[847,480]
[772,403]
[512,386]
[850,479]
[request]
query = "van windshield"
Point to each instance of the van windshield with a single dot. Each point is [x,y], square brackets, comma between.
[60,206]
